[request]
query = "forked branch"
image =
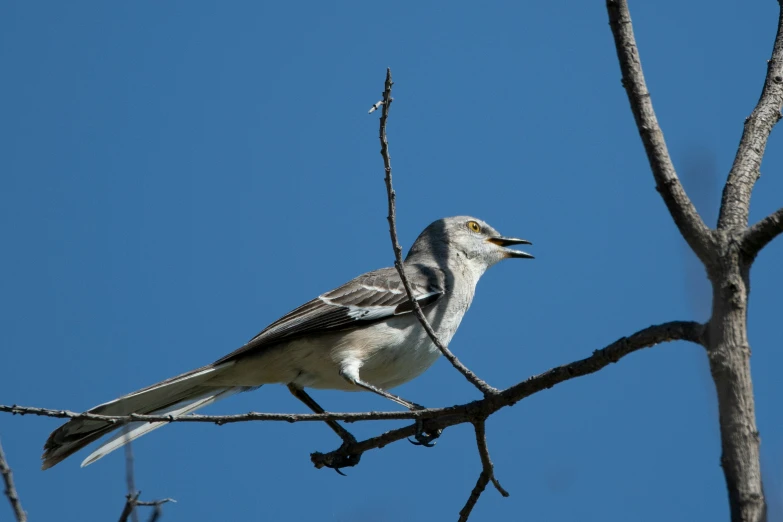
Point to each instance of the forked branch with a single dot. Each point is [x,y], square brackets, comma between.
[727,344]
[487,473]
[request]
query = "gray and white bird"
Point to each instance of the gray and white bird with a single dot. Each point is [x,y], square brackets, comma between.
[361,336]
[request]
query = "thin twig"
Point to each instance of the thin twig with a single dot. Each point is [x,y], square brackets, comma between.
[132,498]
[485,388]
[130,479]
[10,488]
[667,183]
[746,169]
[157,512]
[132,501]
[486,461]
[759,235]
[130,506]
[478,489]
[487,472]
[157,504]
[217,419]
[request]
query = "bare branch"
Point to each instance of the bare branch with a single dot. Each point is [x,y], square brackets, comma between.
[685,216]
[475,412]
[155,503]
[10,489]
[130,507]
[437,418]
[158,511]
[441,418]
[759,235]
[478,489]
[487,472]
[220,419]
[486,461]
[485,388]
[672,331]
[132,498]
[130,478]
[735,203]
[650,336]
[133,501]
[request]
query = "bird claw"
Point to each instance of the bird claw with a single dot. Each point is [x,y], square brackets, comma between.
[424,437]
[344,460]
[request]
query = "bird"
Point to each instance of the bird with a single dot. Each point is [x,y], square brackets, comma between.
[361,336]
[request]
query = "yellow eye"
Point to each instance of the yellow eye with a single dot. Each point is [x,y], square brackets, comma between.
[474,227]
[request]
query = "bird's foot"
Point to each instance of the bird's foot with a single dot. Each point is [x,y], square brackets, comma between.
[425,437]
[342,457]
[344,461]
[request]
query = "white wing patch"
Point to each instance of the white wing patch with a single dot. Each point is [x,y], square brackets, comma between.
[369,313]
[394,291]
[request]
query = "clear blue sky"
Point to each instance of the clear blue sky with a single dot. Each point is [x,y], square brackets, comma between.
[175,176]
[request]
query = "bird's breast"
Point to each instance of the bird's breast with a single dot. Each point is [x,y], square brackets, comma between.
[400,349]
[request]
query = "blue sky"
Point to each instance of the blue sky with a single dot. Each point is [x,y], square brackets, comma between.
[175,176]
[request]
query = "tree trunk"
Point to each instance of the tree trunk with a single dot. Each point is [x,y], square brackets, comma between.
[729,356]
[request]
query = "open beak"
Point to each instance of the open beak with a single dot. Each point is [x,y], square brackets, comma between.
[508,241]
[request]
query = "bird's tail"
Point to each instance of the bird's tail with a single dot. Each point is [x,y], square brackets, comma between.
[177,396]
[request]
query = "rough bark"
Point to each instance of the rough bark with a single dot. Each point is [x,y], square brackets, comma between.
[728,351]
[746,170]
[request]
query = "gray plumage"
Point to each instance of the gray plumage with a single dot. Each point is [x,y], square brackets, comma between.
[359,336]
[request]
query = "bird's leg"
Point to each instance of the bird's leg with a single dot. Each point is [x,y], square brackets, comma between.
[302,395]
[345,435]
[383,393]
[423,437]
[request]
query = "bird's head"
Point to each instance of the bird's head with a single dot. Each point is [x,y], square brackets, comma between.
[468,238]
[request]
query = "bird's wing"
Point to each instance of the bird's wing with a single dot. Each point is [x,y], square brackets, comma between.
[367,299]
